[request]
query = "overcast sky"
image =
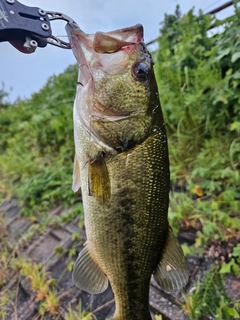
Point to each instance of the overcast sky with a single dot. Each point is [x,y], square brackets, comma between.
[24,74]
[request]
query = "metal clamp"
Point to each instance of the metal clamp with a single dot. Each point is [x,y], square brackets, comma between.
[55,41]
[27,28]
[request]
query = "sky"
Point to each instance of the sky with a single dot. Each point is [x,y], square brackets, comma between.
[23,74]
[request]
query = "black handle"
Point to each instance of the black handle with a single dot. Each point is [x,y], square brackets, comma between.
[19,23]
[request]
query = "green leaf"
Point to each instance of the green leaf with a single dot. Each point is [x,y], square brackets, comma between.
[225,268]
[236,75]
[233,312]
[76,236]
[70,266]
[72,252]
[235,56]
[236,250]
[59,250]
[234,223]
[236,269]
[223,53]
[235,125]
[218,314]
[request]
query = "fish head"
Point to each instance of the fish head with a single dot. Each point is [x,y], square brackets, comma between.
[117,97]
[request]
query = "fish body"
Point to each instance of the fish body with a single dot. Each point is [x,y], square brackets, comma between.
[122,166]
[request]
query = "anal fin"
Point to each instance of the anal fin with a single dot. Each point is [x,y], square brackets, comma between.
[87,274]
[171,273]
[98,179]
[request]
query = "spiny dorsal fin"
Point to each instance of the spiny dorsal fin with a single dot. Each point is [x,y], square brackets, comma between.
[171,273]
[98,179]
[87,274]
[76,184]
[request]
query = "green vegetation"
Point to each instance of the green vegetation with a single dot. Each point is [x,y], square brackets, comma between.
[79,314]
[199,83]
[37,147]
[208,298]
[198,75]
[41,286]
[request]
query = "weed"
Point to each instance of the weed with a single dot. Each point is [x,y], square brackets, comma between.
[208,297]
[41,286]
[4,301]
[52,302]
[70,215]
[227,311]
[234,263]
[36,146]
[79,314]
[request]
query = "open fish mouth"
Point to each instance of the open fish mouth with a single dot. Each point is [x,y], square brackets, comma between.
[106,42]
[100,55]
[108,51]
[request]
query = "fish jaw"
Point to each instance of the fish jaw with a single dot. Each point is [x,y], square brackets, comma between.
[88,48]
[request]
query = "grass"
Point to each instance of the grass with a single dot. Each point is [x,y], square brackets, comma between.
[79,313]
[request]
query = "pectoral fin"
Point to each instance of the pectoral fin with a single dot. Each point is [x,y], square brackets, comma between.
[171,273]
[76,184]
[87,275]
[99,182]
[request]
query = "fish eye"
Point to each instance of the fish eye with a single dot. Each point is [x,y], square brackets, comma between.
[140,71]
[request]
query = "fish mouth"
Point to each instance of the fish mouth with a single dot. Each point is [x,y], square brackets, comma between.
[105,42]
[107,52]
[94,50]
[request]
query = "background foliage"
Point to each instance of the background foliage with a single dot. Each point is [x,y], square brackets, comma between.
[199,82]
[36,145]
[198,75]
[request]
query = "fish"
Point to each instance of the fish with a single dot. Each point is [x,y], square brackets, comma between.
[122,167]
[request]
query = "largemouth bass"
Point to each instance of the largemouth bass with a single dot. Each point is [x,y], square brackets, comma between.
[122,167]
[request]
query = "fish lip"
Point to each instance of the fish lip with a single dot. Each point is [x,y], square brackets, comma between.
[125,36]
[127,33]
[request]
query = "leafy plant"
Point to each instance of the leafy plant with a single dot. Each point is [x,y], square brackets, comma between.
[36,145]
[199,87]
[74,314]
[41,286]
[208,297]
[234,263]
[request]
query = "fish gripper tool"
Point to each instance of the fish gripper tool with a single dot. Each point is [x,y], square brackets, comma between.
[27,28]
